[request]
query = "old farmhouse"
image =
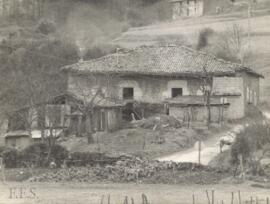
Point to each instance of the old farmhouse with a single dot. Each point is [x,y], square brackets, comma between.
[133,84]
[169,80]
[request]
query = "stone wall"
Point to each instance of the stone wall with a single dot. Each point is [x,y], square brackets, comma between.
[152,89]
[146,89]
[232,90]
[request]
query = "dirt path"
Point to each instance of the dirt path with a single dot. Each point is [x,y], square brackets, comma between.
[81,193]
[210,149]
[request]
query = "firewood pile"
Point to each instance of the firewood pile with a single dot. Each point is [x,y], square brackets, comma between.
[131,169]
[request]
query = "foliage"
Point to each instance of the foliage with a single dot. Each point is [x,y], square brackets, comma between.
[31,68]
[37,155]
[59,154]
[34,154]
[252,145]
[46,27]
[241,146]
[10,157]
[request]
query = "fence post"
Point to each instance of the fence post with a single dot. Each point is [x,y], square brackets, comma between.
[102,198]
[208,197]
[213,197]
[267,200]
[126,200]
[251,199]
[232,198]
[109,199]
[200,149]
[239,197]
[193,199]
[144,199]
[2,169]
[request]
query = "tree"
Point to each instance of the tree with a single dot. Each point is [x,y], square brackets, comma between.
[231,45]
[90,91]
[206,88]
[250,147]
[31,74]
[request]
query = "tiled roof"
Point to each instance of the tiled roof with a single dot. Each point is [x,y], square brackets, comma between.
[157,60]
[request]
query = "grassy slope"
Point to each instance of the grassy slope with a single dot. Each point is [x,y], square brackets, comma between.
[137,141]
[186,31]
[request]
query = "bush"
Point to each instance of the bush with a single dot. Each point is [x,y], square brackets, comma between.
[241,146]
[10,158]
[59,154]
[254,138]
[34,154]
[46,27]
[37,155]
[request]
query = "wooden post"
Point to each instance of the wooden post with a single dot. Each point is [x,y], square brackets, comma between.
[251,199]
[241,166]
[232,198]
[213,197]
[200,149]
[102,198]
[193,199]
[257,200]
[126,200]
[267,200]
[2,169]
[239,197]
[109,199]
[144,199]
[208,197]
[79,125]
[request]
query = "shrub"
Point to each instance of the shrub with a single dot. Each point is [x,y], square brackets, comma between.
[37,155]
[10,158]
[59,154]
[46,27]
[254,138]
[241,146]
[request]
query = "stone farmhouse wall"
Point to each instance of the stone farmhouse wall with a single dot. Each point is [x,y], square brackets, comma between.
[153,89]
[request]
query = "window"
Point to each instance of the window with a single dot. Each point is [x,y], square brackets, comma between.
[128,93]
[177,92]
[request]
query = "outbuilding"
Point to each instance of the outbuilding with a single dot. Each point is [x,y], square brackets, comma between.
[187,8]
